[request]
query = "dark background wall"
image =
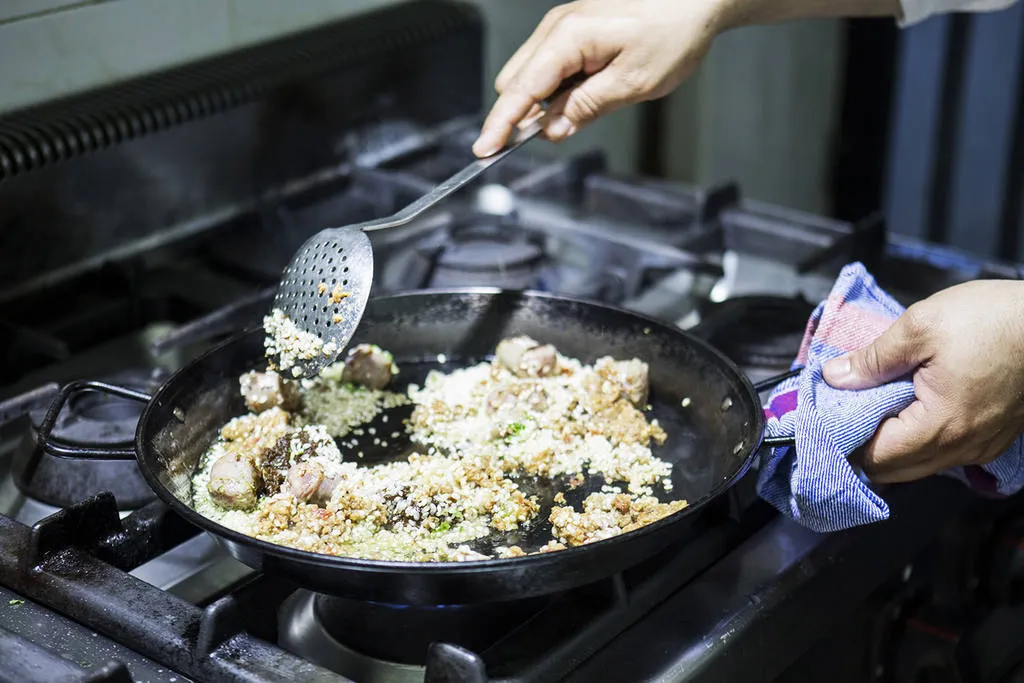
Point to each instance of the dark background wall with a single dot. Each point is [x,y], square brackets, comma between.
[933,129]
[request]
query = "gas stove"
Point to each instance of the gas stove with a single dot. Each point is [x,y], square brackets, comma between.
[100,582]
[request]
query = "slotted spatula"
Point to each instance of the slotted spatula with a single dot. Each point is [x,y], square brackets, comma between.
[325,287]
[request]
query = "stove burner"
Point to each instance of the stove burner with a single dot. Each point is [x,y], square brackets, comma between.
[485,260]
[487,263]
[92,420]
[368,641]
[757,331]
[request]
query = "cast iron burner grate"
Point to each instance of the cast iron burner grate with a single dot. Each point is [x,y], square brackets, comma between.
[757,331]
[543,639]
[92,420]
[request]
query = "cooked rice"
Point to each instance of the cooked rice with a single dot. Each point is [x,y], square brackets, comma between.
[481,432]
[289,344]
[341,407]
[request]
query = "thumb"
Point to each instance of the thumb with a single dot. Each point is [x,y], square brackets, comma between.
[600,94]
[893,354]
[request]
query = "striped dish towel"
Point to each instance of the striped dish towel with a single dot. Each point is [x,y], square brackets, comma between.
[813,483]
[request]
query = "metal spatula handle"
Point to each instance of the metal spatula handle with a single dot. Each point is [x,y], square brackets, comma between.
[325,287]
[453,184]
[470,172]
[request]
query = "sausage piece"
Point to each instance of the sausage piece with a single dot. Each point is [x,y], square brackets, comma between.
[368,366]
[540,361]
[626,378]
[304,480]
[234,481]
[510,351]
[526,357]
[265,390]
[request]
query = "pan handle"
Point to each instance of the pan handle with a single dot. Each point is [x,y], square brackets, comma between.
[778,441]
[772,382]
[65,394]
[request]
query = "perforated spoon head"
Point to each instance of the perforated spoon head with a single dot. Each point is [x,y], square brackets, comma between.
[324,289]
[323,292]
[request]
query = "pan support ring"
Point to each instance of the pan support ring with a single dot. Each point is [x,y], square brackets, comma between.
[302,634]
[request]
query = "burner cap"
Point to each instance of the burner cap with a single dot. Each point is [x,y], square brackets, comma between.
[489,256]
[482,258]
[757,331]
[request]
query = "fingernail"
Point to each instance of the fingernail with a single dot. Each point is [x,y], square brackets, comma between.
[837,369]
[561,127]
[483,148]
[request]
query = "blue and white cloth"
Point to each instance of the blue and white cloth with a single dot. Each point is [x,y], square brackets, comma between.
[813,483]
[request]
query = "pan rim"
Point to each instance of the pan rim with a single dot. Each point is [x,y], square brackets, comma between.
[370,566]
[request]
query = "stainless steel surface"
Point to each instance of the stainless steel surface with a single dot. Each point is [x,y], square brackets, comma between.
[342,258]
[765,604]
[122,200]
[194,571]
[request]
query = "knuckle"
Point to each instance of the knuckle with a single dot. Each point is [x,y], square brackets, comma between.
[501,81]
[567,25]
[918,322]
[553,15]
[638,83]
[952,433]
[870,361]
[584,106]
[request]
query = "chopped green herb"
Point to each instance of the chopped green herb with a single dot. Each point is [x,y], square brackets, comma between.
[512,430]
[444,526]
[16,602]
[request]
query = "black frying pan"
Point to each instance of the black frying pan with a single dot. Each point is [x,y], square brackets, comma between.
[711,442]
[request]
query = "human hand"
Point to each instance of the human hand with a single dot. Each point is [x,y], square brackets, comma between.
[631,51]
[965,348]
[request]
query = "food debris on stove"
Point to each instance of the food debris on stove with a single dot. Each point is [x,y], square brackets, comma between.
[479,435]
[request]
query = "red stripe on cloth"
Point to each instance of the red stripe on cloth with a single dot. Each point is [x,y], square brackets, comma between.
[849,326]
[805,345]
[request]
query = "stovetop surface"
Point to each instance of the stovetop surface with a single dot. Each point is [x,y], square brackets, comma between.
[739,273]
[176,203]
